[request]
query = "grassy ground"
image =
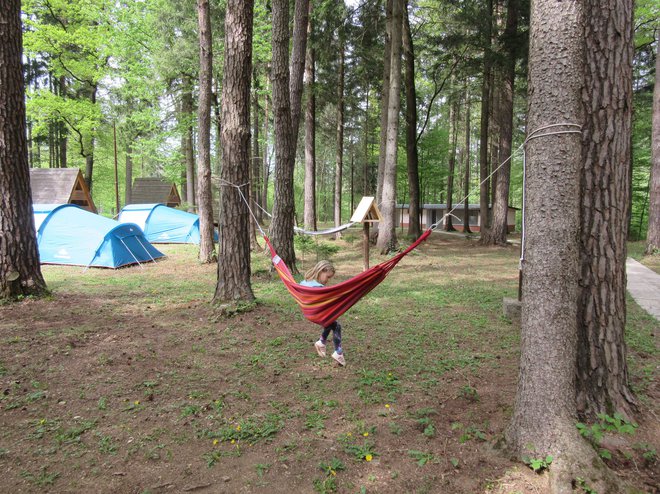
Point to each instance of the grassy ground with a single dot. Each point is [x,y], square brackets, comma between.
[127,381]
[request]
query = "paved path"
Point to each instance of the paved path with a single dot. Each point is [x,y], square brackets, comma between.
[644,286]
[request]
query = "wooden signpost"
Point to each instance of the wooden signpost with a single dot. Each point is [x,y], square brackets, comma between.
[366,213]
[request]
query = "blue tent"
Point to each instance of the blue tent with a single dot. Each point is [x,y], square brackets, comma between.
[162,224]
[67,234]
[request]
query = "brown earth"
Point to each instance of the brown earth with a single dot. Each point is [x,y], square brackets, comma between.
[127,381]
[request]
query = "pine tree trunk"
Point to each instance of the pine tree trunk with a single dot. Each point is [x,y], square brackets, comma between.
[309,211]
[266,157]
[453,132]
[384,100]
[255,178]
[544,410]
[297,69]
[20,272]
[414,228]
[653,235]
[386,230]
[339,158]
[283,207]
[486,95]
[189,153]
[466,181]
[234,266]
[499,225]
[606,150]
[204,192]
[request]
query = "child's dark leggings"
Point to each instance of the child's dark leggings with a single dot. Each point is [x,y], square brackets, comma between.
[335,327]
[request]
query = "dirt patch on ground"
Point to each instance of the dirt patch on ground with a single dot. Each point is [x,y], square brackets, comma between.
[128,382]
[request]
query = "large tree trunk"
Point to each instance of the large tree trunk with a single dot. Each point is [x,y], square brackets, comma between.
[386,230]
[309,211]
[499,225]
[414,228]
[284,206]
[204,192]
[544,414]
[234,268]
[20,272]
[384,100]
[189,154]
[486,95]
[297,69]
[266,157]
[339,158]
[606,149]
[653,235]
[90,145]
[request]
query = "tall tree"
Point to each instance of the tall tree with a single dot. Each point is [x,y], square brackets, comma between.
[466,181]
[297,70]
[499,225]
[486,97]
[204,192]
[188,151]
[386,230]
[283,206]
[20,272]
[384,99]
[544,414]
[414,228]
[234,270]
[653,235]
[339,150]
[606,149]
[454,106]
[309,208]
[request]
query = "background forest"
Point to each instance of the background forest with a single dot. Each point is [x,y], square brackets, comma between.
[119,81]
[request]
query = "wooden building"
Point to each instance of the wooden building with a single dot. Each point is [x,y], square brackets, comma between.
[152,190]
[60,186]
[432,213]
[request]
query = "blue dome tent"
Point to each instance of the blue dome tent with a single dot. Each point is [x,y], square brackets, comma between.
[162,224]
[67,234]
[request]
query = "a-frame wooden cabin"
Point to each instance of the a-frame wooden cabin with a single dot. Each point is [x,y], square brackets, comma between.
[60,186]
[151,190]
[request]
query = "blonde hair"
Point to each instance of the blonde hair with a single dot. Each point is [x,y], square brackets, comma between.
[321,267]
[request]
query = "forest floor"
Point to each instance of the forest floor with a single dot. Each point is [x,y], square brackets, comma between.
[128,381]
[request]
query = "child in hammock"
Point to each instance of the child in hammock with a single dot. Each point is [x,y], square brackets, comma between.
[319,276]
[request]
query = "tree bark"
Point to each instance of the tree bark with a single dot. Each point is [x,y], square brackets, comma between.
[234,268]
[466,181]
[339,158]
[386,230]
[486,95]
[653,234]
[283,207]
[544,415]
[412,157]
[189,154]
[204,193]
[297,69]
[309,211]
[499,225]
[454,106]
[20,272]
[255,178]
[602,384]
[384,100]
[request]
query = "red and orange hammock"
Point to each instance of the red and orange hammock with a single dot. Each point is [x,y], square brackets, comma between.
[324,305]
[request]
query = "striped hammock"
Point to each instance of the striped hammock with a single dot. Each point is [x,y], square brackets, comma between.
[324,305]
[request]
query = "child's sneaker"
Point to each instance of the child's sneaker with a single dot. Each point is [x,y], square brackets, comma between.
[320,348]
[339,358]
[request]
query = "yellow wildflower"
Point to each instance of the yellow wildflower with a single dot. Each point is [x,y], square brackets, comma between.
[368,457]
[137,402]
[365,434]
[215,441]
[238,427]
[387,405]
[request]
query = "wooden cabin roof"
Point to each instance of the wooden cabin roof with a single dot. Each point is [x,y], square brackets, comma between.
[60,186]
[151,190]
